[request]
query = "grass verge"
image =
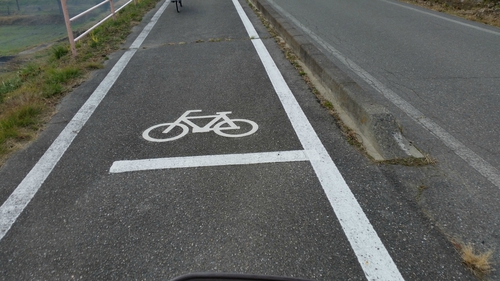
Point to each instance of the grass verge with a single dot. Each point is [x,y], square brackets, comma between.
[486,11]
[30,92]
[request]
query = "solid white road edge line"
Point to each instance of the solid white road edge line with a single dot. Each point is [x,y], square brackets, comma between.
[210,160]
[373,257]
[22,195]
[469,156]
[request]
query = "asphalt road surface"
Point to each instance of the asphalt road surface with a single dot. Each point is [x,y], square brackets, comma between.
[439,76]
[279,192]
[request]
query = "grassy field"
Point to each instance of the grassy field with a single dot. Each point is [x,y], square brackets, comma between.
[16,38]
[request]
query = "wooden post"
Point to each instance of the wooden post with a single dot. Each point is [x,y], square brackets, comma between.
[68,27]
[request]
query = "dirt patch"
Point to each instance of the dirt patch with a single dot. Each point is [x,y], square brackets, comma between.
[483,11]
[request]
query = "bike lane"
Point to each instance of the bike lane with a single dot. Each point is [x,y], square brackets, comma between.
[264,213]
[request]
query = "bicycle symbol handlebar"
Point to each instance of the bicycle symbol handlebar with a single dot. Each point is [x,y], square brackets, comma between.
[167,131]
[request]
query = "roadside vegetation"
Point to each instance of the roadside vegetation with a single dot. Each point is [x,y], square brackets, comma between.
[30,91]
[484,11]
[479,263]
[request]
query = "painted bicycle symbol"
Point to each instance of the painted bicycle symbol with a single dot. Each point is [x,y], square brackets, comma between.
[221,124]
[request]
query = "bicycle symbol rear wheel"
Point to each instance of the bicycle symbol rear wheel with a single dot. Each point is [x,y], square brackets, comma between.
[249,125]
[169,133]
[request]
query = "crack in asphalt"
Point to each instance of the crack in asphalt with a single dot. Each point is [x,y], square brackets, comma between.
[199,41]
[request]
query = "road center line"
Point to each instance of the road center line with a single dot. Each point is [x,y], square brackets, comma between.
[465,153]
[22,195]
[210,161]
[373,257]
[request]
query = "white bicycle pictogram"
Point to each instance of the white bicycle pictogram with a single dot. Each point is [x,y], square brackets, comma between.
[167,132]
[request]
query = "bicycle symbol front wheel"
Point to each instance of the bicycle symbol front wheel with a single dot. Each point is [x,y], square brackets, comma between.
[247,128]
[165,132]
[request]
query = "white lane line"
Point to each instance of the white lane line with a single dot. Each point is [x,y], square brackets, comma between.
[373,257]
[22,195]
[210,161]
[469,156]
[443,18]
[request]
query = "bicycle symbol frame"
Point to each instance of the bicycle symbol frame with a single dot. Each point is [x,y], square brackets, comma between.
[214,125]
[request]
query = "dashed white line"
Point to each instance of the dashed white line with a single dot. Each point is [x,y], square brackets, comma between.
[373,257]
[22,195]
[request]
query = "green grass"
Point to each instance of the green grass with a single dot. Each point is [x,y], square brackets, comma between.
[29,70]
[59,51]
[16,38]
[8,86]
[13,125]
[55,79]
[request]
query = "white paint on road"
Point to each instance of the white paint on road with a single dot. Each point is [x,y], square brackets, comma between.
[373,257]
[211,161]
[469,156]
[220,128]
[22,195]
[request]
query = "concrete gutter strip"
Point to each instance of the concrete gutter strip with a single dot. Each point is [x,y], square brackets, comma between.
[378,128]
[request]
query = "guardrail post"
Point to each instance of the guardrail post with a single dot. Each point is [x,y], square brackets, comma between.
[68,27]
[112,8]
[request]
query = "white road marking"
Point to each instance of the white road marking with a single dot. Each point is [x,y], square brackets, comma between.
[210,161]
[469,156]
[22,195]
[373,257]
[212,126]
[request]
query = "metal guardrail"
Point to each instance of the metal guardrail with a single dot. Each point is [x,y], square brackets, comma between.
[68,20]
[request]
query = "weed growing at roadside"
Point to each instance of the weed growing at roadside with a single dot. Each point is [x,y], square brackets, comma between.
[11,126]
[30,70]
[8,86]
[478,263]
[410,161]
[59,51]
[420,191]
